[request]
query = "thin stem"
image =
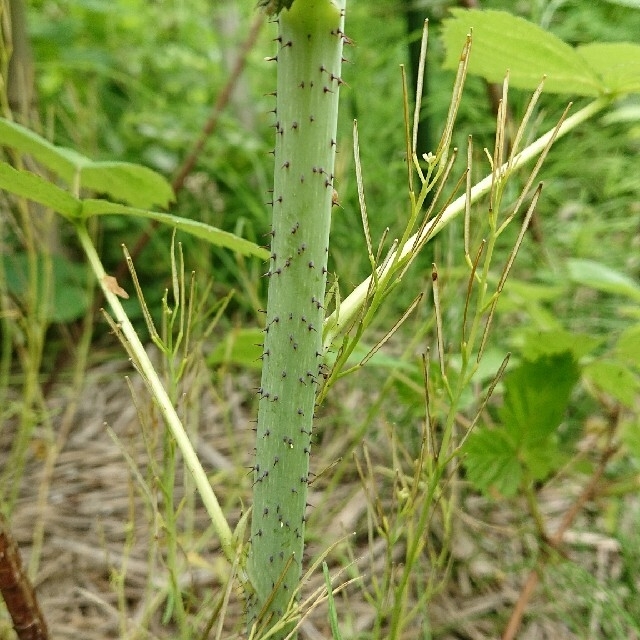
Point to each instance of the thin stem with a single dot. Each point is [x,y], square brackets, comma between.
[351,305]
[164,403]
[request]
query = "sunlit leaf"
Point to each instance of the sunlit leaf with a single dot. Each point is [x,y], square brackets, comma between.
[195,228]
[617,64]
[62,162]
[502,42]
[614,378]
[134,184]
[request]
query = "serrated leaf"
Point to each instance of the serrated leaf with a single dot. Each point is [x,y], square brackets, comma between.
[596,275]
[614,378]
[215,236]
[535,400]
[542,457]
[491,462]
[536,397]
[502,41]
[548,343]
[134,184]
[617,64]
[29,185]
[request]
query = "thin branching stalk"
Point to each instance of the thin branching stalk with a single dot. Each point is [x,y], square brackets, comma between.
[149,374]
[351,305]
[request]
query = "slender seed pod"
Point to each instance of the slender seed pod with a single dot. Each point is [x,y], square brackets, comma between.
[309,56]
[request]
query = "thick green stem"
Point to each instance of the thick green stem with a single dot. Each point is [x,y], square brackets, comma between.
[310,41]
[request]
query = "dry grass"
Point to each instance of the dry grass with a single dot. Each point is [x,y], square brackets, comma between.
[98,524]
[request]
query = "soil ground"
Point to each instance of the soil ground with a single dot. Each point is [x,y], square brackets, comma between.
[83,521]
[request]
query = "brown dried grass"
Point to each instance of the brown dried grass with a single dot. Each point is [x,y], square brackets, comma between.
[97,523]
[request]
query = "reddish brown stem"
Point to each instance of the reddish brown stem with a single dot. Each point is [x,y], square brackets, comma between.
[555,542]
[17,590]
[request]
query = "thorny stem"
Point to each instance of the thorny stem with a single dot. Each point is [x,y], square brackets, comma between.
[310,41]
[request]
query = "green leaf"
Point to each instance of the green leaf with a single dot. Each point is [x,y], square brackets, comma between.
[630,436]
[62,162]
[491,462]
[627,348]
[614,378]
[134,184]
[634,4]
[502,41]
[617,63]
[542,457]
[596,275]
[68,299]
[548,343]
[536,396]
[240,347]
[196,228]
[29,185]
[535,400]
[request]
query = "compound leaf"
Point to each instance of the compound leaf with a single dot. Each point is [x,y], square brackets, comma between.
[524,445]
[491,462]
